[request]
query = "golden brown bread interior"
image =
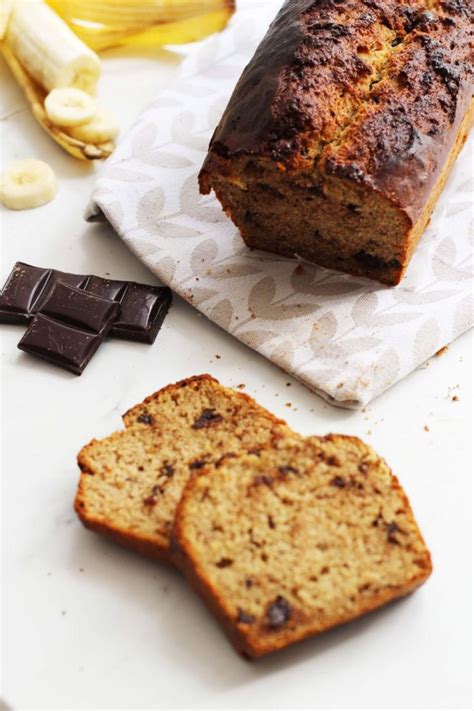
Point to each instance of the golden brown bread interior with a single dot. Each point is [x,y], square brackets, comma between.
[131,482]
[342,130]
[303,536]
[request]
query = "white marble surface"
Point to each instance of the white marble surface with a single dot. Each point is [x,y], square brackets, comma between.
[86,625]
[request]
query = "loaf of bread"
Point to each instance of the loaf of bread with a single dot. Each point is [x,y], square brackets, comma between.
[131,482]
[295,539]
[342,130]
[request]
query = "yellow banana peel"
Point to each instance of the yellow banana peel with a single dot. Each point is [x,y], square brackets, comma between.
[148,23]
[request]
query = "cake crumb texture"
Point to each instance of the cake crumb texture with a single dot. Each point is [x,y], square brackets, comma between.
[131,482]
[293,540]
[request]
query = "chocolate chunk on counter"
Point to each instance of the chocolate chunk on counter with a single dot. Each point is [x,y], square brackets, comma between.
[28,288]
[81,309]
[20,293]
[143,311]
[58,343]
[70,327]
[111,289]
[77,281]
[143,307]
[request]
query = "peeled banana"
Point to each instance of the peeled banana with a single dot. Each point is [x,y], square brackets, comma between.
[5,12]
[48,49]
[27,184]
[45,56]
[36,97]
[50,62]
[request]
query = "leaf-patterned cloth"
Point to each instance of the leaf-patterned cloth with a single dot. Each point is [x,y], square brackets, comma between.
[346,338]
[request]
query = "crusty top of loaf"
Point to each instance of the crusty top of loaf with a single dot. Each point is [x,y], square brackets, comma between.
[369,90]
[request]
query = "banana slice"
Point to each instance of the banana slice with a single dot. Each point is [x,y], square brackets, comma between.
[6,7]
[69,107]
[27,184]
[101,129]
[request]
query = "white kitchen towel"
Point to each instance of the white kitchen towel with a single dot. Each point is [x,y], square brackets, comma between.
[347,338]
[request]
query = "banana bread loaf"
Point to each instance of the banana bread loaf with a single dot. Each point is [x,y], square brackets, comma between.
[131,482]
[303,536]
[342,130]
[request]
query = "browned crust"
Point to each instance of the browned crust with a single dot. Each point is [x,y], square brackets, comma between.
[127,539]
[390,274]
[121,536]
[401,135]
[130,416]
[136,409]
[417,230]
[283,100]
[190,568]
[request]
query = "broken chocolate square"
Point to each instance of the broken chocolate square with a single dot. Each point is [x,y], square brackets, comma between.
[143,311]
[70,328]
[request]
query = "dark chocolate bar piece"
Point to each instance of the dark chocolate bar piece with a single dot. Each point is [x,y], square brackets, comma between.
[112,289]
[21,292]
[28,288]
[78,281]
[70,327]
[144,307]
[143,311]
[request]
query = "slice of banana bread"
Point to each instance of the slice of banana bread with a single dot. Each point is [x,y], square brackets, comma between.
[131,482]
[298,538]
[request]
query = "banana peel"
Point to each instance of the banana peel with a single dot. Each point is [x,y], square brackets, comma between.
[35,96]
[104,24]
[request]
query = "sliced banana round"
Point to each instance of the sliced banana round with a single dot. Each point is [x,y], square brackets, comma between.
[27,184]
[102,128]
[69,107]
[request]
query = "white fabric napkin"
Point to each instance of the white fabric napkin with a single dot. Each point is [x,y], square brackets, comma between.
[346,338]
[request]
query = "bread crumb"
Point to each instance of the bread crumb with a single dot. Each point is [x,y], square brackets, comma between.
[288,385]
[288,404]
[217,356]
[426,428]
[241,386]
[450,395]
[442,351]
